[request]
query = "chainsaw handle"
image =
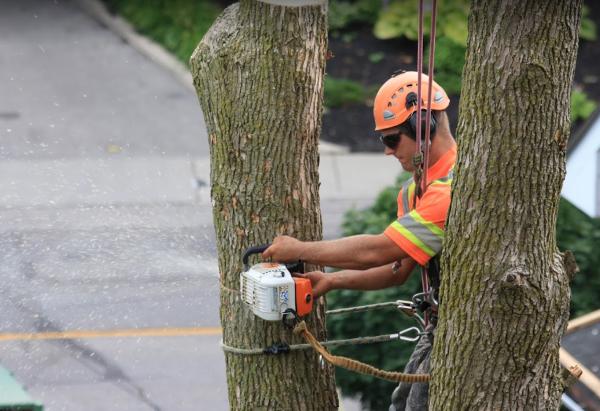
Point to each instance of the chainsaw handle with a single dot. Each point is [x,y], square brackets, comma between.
[257,249]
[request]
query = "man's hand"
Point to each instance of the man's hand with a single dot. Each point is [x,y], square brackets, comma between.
[284,249]
[320,282]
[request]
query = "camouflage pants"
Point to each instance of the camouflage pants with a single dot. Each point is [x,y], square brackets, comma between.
[414,397]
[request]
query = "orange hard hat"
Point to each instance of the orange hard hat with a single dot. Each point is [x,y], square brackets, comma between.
[390,108]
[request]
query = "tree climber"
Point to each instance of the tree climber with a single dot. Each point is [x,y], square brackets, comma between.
[372,262]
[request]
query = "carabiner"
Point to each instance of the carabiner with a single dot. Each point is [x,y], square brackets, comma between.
[402,334]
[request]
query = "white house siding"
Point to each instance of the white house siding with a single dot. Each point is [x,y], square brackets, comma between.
[581,184]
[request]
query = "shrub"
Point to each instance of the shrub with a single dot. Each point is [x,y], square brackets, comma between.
[344,14]
[343,92]
[577,232]
[581,105]
[449,63]
[587,28]
[176,24]
[401,19]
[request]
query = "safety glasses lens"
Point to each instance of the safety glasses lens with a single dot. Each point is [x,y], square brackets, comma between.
[390,141]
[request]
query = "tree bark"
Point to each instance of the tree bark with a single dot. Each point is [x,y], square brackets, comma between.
[505,286]
[259,74]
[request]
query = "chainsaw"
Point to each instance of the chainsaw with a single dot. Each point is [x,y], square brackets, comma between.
[270,290]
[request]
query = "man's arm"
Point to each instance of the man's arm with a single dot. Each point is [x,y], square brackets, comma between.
[356,252]
[372,279]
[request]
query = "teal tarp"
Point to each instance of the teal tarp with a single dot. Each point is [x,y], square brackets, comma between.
[13,396]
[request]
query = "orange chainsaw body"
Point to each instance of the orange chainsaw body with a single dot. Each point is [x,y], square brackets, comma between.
[304,299]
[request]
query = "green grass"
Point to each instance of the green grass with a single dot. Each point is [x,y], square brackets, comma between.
[178,25]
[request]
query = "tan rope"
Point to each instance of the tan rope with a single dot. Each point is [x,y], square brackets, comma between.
[357,366]
[231,290]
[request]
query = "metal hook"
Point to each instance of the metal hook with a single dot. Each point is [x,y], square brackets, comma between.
[402,334]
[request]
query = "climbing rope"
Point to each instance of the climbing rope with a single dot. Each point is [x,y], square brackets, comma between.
[407,307]
[403,305]
[421,158]
[429,90]
[283,348]
[357,366]
[411,334]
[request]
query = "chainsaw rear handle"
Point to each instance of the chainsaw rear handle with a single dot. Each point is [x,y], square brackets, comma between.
[297,266]
[257,249]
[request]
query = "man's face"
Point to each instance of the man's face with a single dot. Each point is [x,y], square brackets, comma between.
[404,151]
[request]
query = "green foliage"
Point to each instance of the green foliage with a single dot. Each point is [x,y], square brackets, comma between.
[401,19]
[579,233]
[581,105]
[449,63]
[176,24]
[575,231]
[343,92]
[587,28]
[376,57]
[343,14]
[376,218]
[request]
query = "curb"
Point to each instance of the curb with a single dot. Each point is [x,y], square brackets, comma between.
[156,53]
[148,48]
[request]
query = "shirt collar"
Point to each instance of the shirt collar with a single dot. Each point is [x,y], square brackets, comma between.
[442,167]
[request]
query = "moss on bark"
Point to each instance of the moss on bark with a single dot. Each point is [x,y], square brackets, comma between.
[505,289]
[259,77]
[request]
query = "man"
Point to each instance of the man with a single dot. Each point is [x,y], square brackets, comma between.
[372,262]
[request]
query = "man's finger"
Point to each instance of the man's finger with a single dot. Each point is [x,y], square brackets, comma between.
[267,253]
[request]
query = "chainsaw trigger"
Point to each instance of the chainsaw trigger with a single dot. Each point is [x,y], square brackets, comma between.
[297,266]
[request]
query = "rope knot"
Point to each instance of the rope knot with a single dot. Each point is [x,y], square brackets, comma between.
[300,328]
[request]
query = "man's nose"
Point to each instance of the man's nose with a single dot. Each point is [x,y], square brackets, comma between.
[388,151]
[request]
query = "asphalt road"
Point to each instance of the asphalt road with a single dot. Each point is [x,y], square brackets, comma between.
[105,220]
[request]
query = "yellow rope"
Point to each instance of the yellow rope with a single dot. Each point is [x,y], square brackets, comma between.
[357,366]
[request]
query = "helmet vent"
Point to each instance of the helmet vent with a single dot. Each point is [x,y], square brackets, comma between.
[388,115]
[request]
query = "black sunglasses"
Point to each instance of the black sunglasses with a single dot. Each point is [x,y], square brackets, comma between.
[390,141]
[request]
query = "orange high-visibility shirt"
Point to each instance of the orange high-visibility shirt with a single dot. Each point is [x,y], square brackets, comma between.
[419,230]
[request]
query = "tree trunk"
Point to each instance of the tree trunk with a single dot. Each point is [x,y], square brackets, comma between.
[259,74]
[505,286]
